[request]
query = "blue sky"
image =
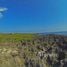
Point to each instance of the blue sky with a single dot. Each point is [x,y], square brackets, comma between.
[33,16]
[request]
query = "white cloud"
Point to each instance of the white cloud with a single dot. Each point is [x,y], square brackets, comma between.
[2,10]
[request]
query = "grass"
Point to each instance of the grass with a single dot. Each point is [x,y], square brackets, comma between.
[15,37]
[13,54]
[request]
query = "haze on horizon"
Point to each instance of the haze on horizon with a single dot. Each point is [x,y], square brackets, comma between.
[33,16]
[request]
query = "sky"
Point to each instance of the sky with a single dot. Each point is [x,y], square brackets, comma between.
[33,16]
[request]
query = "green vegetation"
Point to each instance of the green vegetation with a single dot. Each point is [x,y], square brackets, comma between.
[15,37]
